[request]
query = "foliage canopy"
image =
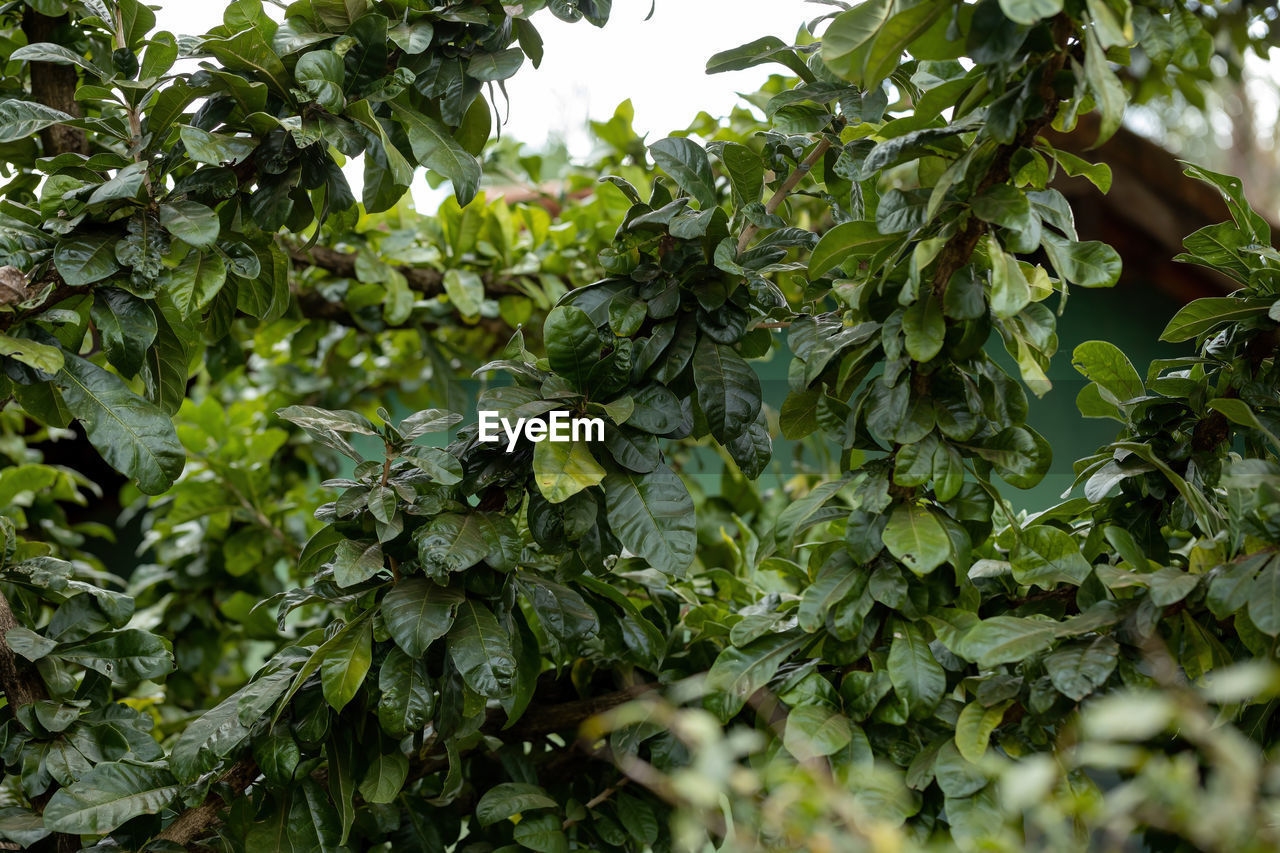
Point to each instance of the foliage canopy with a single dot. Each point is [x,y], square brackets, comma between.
[360,630]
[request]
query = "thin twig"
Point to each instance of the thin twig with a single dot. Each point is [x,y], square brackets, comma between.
[780,195]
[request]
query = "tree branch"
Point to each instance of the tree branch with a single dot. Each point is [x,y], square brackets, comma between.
[424,280]
[956,253]
[54,86]
[780,194]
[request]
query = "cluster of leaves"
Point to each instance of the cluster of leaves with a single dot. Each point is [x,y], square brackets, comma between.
[886,651]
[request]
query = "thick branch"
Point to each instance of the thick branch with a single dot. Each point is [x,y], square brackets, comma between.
[956,253]
[196,822]
[20,684]
[54,86]
[429,282]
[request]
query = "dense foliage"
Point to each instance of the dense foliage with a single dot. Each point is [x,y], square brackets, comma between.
[353,629]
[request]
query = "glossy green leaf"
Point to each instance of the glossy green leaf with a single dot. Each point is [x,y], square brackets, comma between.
[40,356]
[346,663]
[85,259]
[510,799]
[916,676]
[434,147]
[684,160]
[191,221]
[108,796]
[917,538]
[813,731]
[1046,556]
[418,612]
[127,325]
[845,241]
[1080,668]
[384,777]
[563,468]
[481,650]
[22,119]
[652,516]
[728,389]
[132,435]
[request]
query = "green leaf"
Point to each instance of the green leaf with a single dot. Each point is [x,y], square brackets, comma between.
[123,656]
[563,468]
[1108,91]
[453,542]
[384,778]
[133,436]
[1028,12]
[355,562]
[1005,206]
[1010,292]
[758,52]
[652,516]
[895,37]
[108,796]
[195,282]
[746,172]
[248,51]
[1099,174]
[23,119]
[316,420]
[127,326]
[845,42]
[416,37]
[215,149]
[1046,556]
[481,650]
[510,799]
[815,730]
[40,356]
[573,347]
[191,221]
[434,147]
[407,699]
[684,160]
[346,663]
[465,290]
[739,672]
[491,67]
[213,735]
[924,327]
[541,833]
[1078,669]
[832,584]
[85,259]
[1232,190]
[847,240]
[916,676]
[1005,639]
[974,727]
[418,612]
[1264,599]
[1204,315]
[917,538]
[320,74]
[1105,364]
[443,466]
[1087,263]
[277,756]
[728,389]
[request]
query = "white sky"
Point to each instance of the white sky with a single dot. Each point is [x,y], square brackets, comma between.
[586,72]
